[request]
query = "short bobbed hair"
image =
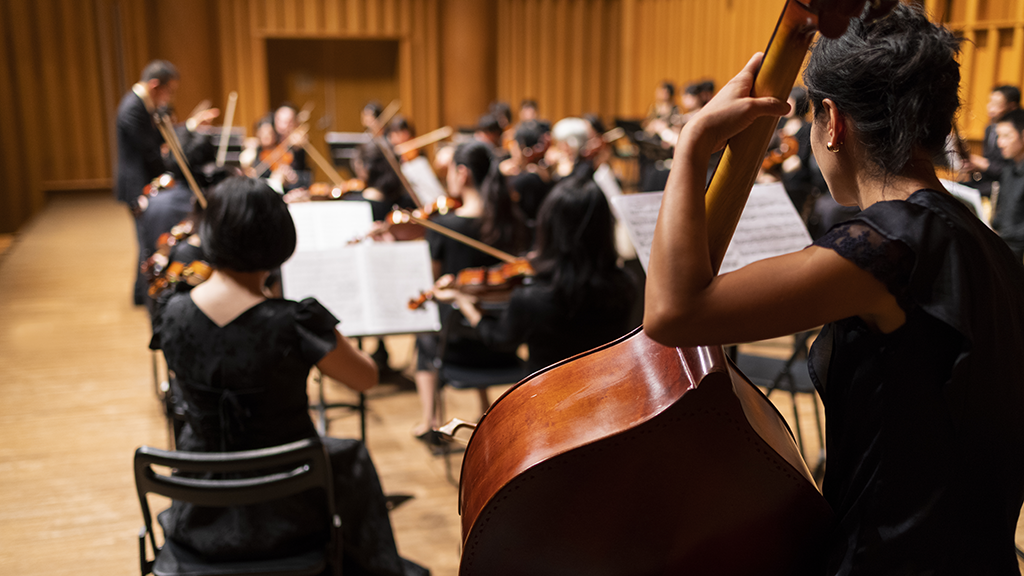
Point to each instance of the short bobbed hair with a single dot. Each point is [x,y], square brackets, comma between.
[246,227]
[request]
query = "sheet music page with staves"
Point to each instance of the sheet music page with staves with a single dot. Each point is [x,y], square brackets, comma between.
[769,226]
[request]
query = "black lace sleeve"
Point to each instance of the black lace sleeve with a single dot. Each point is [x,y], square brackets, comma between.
[891,261]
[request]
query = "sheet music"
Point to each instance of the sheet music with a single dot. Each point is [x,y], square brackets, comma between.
[367,285]
[967,195]
[424,182]
[769,226]
[639,213]
[605,179]
[329,225]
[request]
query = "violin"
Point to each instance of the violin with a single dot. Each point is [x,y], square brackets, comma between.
[272,161]
[494,282]
[194,273]
[324,191]
[785,150]
[161,182]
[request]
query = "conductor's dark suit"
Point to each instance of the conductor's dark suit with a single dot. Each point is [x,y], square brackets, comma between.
[138,149]
[138,162]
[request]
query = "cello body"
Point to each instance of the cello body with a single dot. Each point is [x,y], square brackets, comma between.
[694,473]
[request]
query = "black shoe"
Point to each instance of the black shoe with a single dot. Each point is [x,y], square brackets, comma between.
[433,441]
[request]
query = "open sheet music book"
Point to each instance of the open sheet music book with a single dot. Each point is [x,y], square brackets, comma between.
[366,285]
[769,226]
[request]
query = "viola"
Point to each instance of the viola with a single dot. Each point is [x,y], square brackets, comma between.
[494,283]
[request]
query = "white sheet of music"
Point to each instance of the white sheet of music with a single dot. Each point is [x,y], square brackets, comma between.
[328,225]
[769,226]
[967,195]
[367,286]
[424,182]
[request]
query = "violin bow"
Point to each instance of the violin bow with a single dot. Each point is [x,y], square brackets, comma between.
[225,133]
[471,242]
[163,124]
[425,140]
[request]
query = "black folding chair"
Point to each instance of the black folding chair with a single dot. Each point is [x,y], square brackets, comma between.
[305,466]
[461,377]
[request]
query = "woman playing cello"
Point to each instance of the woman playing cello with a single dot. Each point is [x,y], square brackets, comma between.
[919,363]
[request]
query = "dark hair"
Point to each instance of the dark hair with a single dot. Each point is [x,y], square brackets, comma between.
[1010,93]
[501,110]
[400,123]
[379,173]
[373,106]
[595,122]
[528,103]
[576,242]
[267,120]
[803,104]
[530,133]
[897,81]
[160,70]
[489,123]
[246,226]
[668,87]
[1015,117]
[693,88]
[501,223]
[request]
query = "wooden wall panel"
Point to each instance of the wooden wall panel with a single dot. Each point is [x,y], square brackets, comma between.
[67,62]
[993,53]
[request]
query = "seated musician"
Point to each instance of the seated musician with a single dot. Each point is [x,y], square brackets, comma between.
[527,175]
[242,361]
[399,131]
[919,363]
[579,299]
[383,189]
[286,121]
[487,214]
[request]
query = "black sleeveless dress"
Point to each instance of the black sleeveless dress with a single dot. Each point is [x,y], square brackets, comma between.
[926,424]
[244,386]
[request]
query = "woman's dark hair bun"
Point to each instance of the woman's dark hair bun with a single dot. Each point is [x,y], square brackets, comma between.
[246,227]
[897,79]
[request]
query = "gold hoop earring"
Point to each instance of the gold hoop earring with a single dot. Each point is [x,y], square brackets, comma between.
[832,148]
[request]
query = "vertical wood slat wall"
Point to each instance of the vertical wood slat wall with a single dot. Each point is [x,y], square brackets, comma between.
[993,53]
[65,63]
[607,56]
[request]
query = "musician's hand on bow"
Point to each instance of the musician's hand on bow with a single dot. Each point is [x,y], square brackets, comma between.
[835,15]
[731,111]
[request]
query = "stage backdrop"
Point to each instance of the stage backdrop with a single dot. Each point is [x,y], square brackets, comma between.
[66,63]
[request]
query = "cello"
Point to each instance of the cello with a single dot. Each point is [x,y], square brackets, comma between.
[639,458]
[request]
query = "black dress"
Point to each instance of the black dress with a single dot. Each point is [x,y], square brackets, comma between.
[244,385]
[926,424]
[555,329]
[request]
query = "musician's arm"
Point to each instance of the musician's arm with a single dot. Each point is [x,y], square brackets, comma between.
[686,304]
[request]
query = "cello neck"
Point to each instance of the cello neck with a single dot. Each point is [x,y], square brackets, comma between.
[732,181]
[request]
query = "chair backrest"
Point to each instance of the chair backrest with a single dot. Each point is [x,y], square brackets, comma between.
[299,466]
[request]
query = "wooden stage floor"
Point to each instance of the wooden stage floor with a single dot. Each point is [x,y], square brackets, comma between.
[79,398]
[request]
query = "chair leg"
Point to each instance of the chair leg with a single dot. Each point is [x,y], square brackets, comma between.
[485,403]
